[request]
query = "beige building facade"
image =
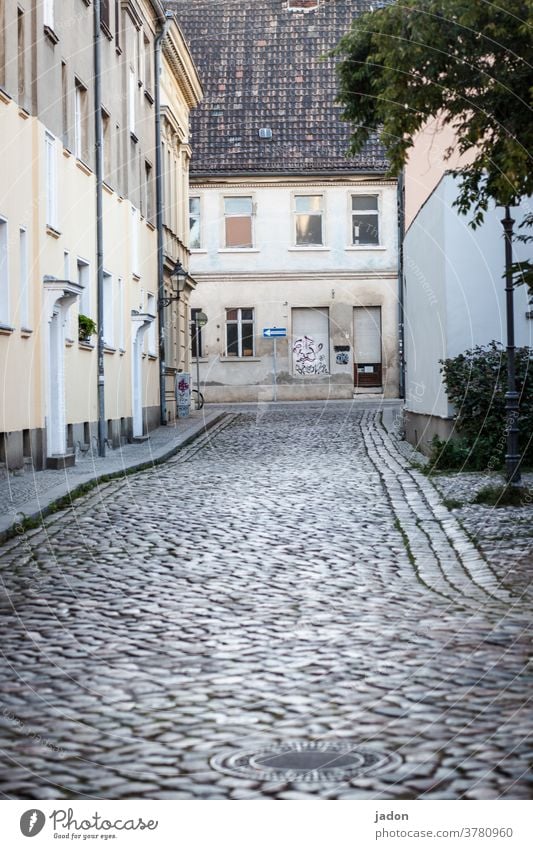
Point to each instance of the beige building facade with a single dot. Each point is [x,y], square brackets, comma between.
[48,250]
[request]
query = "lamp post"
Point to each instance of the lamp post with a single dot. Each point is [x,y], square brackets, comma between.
[512,457]
[200,320]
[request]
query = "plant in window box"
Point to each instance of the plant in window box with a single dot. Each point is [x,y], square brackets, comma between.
[86,328]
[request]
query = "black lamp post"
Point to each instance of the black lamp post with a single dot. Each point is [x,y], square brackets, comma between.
[512,457]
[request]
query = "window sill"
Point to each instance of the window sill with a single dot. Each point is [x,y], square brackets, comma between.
[24,113]
[300,248]
[365,248]
[122,351]
[198,250]
[240,359]
[50,34]
[149,224]
[6,329]
[152,356]
[69,342]
[53,232]
[135,276]
[108,349]
[25,332]
[133,137]
[85,346]
[4,96]
[238,250]
[107,188]
[106,31]
[149,97]
[66,152]
[83,167]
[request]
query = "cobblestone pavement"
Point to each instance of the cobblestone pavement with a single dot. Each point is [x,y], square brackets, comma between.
[291,581]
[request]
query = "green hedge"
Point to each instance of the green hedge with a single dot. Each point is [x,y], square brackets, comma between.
[476,383]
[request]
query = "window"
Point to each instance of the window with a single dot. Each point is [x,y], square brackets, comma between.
[24,279]
[131,100]
[194,223]
[4,274]
[148,191]
[48,13]
[105,14]
[134,242]
[106,146]
[81,122]
[151,310]
[365,220]
[2,43]
[21,57]
[64,104]
[239,332]
[238,222]
[109,334]
[117,24]
[121,340]
[308,219]
[303,5]
[196,335]
[83,280]
[147,49]
[51,181]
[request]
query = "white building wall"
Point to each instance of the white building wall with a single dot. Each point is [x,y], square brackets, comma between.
[275,276]
[454,300]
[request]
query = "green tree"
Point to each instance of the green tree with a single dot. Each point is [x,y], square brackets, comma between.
[463,61]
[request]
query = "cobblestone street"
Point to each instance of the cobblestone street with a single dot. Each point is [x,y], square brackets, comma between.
[290,579]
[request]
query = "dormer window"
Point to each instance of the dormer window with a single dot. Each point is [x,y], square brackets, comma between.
[302,5]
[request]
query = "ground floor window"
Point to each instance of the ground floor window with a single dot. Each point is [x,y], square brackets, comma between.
[240,332]
[310,341]
[196,335]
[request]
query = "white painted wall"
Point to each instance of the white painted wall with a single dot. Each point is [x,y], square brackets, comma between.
[275,277]
[455,293]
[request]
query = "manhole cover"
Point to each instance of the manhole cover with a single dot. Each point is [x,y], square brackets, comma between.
[321,761]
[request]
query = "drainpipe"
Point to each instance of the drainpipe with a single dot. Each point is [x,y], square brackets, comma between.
[99,226]
[401,317]
[159,217]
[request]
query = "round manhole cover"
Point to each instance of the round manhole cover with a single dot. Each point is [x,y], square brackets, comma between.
[299,761]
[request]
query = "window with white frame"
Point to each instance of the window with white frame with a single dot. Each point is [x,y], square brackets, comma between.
[132,93]
[4,274]
[240,332]
[196,334]
[51,181]
[48,13]
[109,321]
[84,281]
[135,242]
[121,339]
[151,310]
[308,218]
[365,220]
[81,121]
[194,223]
[24,293]
[238,212]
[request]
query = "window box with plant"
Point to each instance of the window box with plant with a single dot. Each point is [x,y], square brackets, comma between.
[86,328]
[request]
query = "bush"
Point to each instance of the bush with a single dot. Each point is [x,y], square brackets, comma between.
[476,382]
[86,327]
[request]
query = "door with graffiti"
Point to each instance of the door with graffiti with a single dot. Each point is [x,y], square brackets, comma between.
[310,341]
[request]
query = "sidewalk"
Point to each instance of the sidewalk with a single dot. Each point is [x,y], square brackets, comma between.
[31,495]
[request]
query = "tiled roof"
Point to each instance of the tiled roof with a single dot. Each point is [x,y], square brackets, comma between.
[261,66]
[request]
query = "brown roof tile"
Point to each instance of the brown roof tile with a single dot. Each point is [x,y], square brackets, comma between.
[261,66]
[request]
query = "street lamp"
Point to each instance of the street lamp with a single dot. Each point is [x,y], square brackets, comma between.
[512,457]
[181,276]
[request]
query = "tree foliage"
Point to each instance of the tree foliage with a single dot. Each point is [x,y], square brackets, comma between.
[463,61]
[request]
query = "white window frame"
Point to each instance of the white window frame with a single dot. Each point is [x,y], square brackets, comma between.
[109,318]
[151,308]
[121,314]
[199,216]
[132,93]
[366,246]
[81,121]
[239,322]
[51,181]
[135,270]
[48,14]
[84,279]
[24,280]
[4,273]
[321,212]
[250,197]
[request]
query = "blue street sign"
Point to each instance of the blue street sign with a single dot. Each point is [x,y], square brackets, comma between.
[274,332]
